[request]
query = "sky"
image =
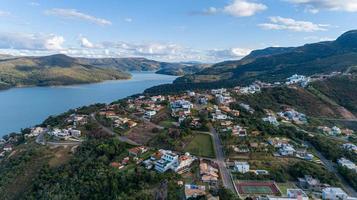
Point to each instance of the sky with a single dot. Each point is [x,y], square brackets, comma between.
[168,30]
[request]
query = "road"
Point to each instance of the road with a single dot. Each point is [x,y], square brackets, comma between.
[109,131]
[225,174]
[331,168]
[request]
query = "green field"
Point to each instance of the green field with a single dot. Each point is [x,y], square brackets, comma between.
[201,145]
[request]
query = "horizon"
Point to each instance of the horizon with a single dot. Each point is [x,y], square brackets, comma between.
[191,31]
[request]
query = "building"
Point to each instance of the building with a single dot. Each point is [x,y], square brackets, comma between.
[272,120]
[7,148]
[149,113]
[334,193]
[286,150]
[209,173]
[292,194]
[350,147]
[241,167]
[347,163]
[137,151]
[298,79]
[194,191]
[310,183]
[185,162]
[169,160]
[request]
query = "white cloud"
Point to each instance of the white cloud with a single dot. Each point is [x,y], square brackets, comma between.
[31,41]
[21,44]
[280,23]
[128,19]
[86,43]
[233,53]
[33,3]
[74,14]
[4,13]
[243,8]
[237,8]
[334,5]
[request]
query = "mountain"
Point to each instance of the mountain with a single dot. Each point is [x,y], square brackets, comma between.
[52,70]
[143,64]
[276,64]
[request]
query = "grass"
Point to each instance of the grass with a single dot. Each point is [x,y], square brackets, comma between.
[166,124]
[201,145]
[285,186]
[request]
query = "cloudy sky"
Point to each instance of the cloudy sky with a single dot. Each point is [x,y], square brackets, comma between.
[168,30]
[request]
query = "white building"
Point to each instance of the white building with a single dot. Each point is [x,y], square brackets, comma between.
[334,193]
[149,113]
[292,194]
[272,120]
[169,160]
[241,167]
[350,147]
[346,163]
[286,150]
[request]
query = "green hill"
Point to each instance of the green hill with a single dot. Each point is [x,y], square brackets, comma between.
[52,70]
[276,64]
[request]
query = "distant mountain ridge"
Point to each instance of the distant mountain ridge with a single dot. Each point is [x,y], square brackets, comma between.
[276,64]
[56,69]
[60,69]
[143,64]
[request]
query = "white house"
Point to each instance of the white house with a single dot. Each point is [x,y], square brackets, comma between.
[286,150]
[333,193]
[169,160]
[292,194]
[346,163]
[149,113]
[272,120]
[241,167]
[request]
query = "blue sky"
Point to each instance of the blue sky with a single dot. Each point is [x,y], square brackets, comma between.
[170,30]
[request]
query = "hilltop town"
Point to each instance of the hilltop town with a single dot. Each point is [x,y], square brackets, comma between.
[210,144]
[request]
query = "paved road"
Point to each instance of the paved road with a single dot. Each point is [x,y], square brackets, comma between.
[109,131]
[225,174]
[331,168]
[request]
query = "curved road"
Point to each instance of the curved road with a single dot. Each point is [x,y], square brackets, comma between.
[109,131]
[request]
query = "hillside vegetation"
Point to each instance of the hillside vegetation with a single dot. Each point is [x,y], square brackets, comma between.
[52,70]
[276,64]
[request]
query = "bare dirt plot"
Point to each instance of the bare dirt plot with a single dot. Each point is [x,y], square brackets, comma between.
[142,133]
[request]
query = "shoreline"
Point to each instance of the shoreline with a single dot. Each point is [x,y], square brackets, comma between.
[44,103]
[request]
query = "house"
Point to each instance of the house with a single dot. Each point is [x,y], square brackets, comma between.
[137,151]
[241,167]
[157,98]
[272,120]
[278,142]
[310,183]
[298,79]
[286,150]
[334,193]
[185,162]
[297,194]
[179,106]
[291,194]
[202,100]
[7,148]
[350,147]
[209,173]
[116,165]
[169,160]
[347,163]
[247,108]
[335,131]
[149,113]
[194,191]
[36,131]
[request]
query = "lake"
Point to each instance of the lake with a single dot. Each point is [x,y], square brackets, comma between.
[26,107]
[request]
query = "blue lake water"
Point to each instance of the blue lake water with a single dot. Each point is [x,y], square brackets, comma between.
[25,107]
